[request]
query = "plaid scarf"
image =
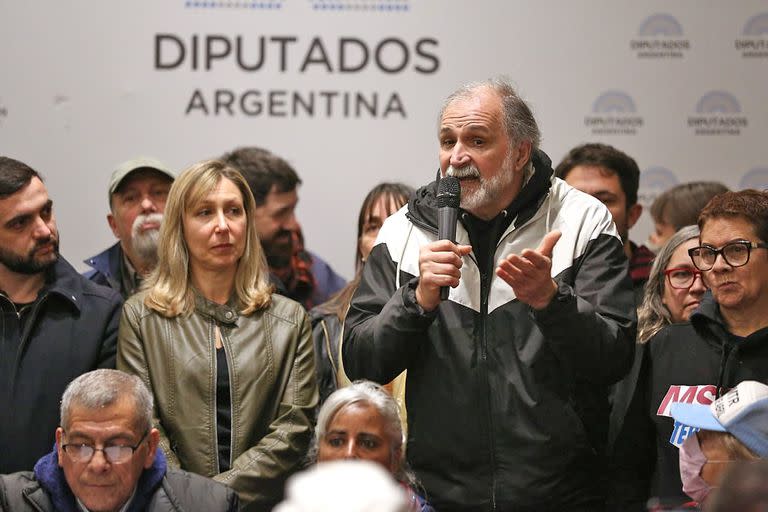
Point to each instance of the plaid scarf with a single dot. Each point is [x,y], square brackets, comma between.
[297,275]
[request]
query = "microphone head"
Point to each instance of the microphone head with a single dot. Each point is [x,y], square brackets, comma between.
[448,192]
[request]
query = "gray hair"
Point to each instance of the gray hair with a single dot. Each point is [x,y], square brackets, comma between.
[101,388]
[518,118]
[653,315]
[369,393]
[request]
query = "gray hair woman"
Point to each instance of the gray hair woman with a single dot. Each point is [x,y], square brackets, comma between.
[674,288]
[362,421]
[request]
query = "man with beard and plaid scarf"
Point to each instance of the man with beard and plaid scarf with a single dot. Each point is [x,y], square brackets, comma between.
[54,323]
[296,272]
[138,189]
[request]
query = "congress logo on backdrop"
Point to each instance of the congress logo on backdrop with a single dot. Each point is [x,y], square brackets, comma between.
[614,113]
[756,178]
[754,40]
[660,36]
[654,181]
[718,113]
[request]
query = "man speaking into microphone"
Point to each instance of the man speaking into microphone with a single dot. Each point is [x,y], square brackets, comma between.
[507,377]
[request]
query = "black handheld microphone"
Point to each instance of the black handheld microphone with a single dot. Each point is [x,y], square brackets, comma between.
[448,199]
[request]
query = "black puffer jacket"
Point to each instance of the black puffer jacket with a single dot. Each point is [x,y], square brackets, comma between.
[507,407]
[71,329]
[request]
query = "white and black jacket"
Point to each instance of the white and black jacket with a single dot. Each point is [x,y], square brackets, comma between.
[507,406]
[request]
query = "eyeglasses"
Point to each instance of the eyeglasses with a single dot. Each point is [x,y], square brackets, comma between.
[115,454]
[681,278]
[735,254]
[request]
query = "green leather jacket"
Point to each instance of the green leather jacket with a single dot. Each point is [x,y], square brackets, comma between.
[272,385]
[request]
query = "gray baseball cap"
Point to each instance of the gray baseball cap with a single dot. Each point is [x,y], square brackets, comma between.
[126,168]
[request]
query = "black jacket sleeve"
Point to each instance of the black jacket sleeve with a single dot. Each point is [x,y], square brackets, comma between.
[591,321]
[384,325]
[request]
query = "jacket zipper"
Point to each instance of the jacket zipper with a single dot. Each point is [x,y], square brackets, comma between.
[25,334]
[214,412]
[230,358]
[484,292]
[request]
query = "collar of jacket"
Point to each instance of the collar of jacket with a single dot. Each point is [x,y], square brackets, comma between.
[225,314]
[107,261]
[710,324]
[52,480]
[422,207]
[62,281]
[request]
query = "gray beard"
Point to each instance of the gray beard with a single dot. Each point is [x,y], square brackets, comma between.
[488,190]
[144,243]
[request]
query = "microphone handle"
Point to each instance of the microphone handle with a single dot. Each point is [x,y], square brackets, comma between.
[446,230]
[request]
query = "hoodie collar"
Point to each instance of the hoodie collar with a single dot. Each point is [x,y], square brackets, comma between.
[52,480]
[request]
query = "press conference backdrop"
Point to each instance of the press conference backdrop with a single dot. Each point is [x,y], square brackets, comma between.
[348,91]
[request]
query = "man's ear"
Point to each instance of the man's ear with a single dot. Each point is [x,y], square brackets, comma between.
[633,213]
[153,440]
[59,449]
[523,155]
[112,224]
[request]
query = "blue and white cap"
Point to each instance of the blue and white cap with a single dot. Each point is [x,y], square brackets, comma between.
[742,412]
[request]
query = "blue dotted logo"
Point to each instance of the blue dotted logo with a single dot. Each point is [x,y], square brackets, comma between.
[360,5]
[660,25]
[654,181]
[226,4]
[756,178]
[315,5]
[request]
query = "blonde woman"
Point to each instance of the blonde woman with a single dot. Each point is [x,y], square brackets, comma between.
[230,365]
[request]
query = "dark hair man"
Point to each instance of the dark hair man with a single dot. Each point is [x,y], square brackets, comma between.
[55,324]
[106,458]
[507,379]
[613,177]
[299,274]
[138,189]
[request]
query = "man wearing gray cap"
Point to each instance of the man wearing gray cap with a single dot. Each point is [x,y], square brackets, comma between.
[138,189]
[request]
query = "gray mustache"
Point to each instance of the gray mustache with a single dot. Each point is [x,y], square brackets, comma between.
[468,171]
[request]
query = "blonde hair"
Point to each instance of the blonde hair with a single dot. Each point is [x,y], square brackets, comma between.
[733,447]
[170,289]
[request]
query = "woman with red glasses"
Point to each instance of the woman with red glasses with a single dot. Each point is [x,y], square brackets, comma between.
[724,342]
[675,286]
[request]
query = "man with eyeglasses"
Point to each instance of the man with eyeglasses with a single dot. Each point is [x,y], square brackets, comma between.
[724,342]
[106,458]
